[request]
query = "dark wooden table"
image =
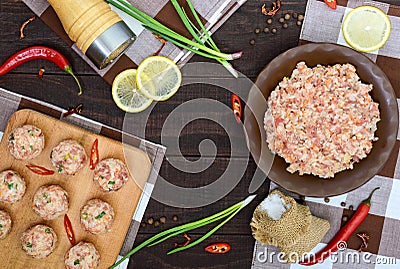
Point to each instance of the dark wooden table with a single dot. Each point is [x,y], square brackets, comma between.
[59,89]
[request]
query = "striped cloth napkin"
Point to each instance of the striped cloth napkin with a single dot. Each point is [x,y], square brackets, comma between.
[213,13]
[322,24]
[11,102]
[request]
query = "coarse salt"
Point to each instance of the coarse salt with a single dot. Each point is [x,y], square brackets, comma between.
[275,206]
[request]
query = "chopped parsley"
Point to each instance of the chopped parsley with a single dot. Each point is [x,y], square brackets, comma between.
[23,147]
[99,216]
[47,230]
[1,225]
[28,245]
[66,157]
[11,138]
[76,262]
[60,169]
[75,157]
[10,185]
[348,88]
[48,201]
[101,177]
[85,216]
[51,155]
[111,182]
[31,147]
[30,132]
[44,195]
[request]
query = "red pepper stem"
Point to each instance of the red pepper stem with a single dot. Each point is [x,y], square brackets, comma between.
[368,200]
[68,69]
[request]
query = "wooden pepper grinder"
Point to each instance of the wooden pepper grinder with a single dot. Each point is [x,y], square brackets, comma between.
[97,30]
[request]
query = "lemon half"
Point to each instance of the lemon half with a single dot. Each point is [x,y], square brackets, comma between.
[126,95]
[366,28]
[158,78]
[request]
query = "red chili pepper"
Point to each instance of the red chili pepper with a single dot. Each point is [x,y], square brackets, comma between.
[331,3]
[218,248]
[94,155]
[163,42]
[38,52]
[237,107]
[40,170]
[68,230]
[344,233]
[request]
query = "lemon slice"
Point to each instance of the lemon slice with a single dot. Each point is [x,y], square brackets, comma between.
[158,78]
[366,28]
[125,93]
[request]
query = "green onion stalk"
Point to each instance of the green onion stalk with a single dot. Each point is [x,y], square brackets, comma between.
[201,36]
[226,214]
[198,34]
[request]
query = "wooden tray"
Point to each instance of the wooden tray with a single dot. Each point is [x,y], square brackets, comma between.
[80,188]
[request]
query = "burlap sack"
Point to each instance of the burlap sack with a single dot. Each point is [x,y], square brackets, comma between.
[316,231]
[286,231]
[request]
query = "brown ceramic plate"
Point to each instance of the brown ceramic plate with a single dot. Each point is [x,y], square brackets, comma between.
[324,54]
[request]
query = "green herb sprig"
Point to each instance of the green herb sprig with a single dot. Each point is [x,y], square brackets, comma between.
[228,214]
[99,216]
[201,36]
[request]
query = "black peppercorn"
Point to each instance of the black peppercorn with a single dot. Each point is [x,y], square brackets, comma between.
[163,219]
[150,221]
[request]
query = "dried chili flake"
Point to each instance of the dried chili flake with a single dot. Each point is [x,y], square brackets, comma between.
[73,110]
[163,42]
[41,72]
[275,7]
[184,244]
[23,25]
[364,237]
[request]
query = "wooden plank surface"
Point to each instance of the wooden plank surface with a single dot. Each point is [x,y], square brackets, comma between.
[59,89]
[80,188]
